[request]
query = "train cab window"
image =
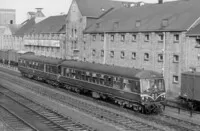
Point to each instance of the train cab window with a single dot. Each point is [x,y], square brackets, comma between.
[117,82]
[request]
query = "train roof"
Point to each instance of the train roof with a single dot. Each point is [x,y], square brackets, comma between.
[191,73]
[42,59]
[113,70]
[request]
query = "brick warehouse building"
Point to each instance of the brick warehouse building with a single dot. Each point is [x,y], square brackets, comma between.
[152,36]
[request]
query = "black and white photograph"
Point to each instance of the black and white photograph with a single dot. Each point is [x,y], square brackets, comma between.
[99,65]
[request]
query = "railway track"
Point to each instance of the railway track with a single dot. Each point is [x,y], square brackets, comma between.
[55,121]
[185,124]
[14,122]
[163,119]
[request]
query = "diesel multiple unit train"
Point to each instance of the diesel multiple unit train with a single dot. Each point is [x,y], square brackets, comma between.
[140,90]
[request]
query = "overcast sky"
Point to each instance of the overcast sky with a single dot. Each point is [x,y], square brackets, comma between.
[51,7]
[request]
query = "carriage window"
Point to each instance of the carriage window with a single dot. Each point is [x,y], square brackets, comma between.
[94,77]
[117,82]
[78,74]
[126,85]
[87,76]
[101,80]
[73,73]
[83,75]
[67,72]
[131,86]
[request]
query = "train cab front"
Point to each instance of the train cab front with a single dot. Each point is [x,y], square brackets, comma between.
[152,94]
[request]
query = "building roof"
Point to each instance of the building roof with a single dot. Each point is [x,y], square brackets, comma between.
[52,24]
[27,25]
[179,16]
[13,28]
[112,70]
[8,10]
[95,8]
[195,31]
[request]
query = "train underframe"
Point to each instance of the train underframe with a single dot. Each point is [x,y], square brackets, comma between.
[190,104]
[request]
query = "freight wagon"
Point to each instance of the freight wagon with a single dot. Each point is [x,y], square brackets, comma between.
[190,88]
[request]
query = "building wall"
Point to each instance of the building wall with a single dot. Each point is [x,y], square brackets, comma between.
[12,42]
[6,16]
[50,45]
[75,25]
[168,48]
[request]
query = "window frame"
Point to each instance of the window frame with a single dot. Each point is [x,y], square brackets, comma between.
[146,56]
[176,58]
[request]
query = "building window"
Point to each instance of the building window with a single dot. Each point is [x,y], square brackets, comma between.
[160,57]
[84,45]
[75,32]
[161,37]
[122,37]
[176,37]
[146,37]
[134,37]
[102,37]
[102,53]
[197,43]
[93,52]
[122,54]
[137,23]
[146,56]
[175,79]
[133,55]
[164,22]
[11,21]
[93,37]
[112,54]
[175,58]
[84,38]
[112,37]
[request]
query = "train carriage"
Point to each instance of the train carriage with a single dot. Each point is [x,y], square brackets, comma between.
[139,89]
[40,68]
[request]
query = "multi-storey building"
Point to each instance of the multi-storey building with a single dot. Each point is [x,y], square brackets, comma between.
[7,16]
[47,37]
[81,15]
[152,36]
[38,34]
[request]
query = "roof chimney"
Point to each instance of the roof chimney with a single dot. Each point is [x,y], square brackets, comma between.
[39,12]
[160,1]
[39,16]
